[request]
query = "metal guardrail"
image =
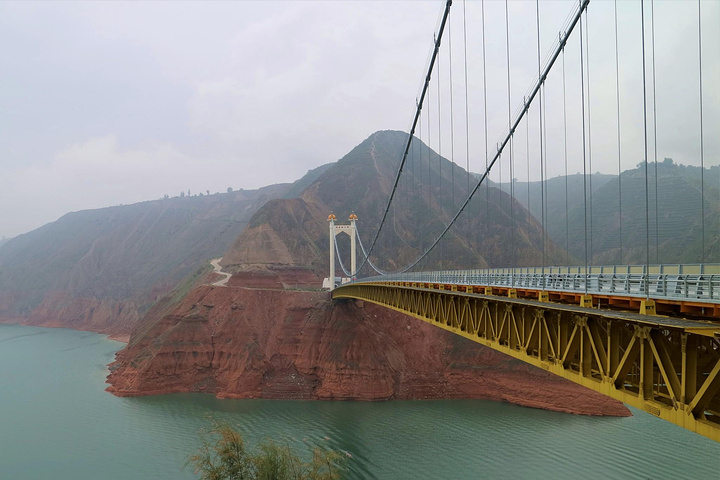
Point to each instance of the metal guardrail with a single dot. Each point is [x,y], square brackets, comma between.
[669,282]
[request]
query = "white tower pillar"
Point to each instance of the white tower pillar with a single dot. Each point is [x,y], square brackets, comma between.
[331,221]
[353,239]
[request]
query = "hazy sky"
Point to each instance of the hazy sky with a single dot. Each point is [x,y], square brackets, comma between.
[104,103]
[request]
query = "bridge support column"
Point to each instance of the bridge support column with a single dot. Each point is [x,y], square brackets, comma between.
[351,230]
[353,239]
[331,221]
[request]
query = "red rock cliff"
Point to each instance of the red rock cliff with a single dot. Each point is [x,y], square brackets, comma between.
[260,343]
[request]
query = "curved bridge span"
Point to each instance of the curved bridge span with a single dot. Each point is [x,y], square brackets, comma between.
[668,367]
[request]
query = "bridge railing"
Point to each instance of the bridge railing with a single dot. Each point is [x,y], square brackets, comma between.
[680,282]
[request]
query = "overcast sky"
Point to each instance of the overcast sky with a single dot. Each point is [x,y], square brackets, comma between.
[105,103]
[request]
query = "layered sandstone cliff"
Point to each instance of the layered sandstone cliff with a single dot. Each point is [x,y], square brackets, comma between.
[268,335]
[238,342]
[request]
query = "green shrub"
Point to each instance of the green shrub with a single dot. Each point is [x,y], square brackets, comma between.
[223,456]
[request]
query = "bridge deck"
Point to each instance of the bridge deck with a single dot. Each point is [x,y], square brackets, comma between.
[669,367]
[656,321]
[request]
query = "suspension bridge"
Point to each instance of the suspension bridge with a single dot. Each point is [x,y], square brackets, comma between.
[642,331]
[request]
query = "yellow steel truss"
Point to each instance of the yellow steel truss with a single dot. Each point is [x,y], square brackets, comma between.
[667,367]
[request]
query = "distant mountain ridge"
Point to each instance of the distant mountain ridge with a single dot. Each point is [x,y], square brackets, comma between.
[616,237]
[102,269]
[118,260]
[360,183]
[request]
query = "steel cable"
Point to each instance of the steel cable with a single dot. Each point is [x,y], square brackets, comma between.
[438,38]
[582,102]
[467,114]
[512,189]
[573,20]
[652,29]
[647,198]
[617,98]
[702,150]
[542,159]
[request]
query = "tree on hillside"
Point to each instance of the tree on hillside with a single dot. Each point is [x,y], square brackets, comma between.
[223,456]
[229,189]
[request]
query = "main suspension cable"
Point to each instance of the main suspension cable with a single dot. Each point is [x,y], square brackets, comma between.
[573,20]
[436,48]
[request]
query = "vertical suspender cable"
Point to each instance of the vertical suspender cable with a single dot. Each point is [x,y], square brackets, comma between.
[487,188]
[452,123]
[429,143]
[412,169]
[446,12]
[589,134]
[540,110]
[439,133]
[528,101]
[647,199]
[439,195]
[527,156]
[652,43]
[426,233]
[420,154]
[512,188]
[545,164]
[567,217]
[467,114]
[582,103]
[702,151]
[617,106]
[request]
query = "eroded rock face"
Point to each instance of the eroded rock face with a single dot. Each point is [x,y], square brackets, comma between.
[256,343]
[65,310]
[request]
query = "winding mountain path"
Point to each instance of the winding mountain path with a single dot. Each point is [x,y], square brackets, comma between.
[218,269]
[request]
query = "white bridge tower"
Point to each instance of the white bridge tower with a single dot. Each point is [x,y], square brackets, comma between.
[351,230]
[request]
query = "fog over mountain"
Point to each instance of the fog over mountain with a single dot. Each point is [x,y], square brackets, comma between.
[108,103]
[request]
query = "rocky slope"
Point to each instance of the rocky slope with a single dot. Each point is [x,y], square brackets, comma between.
[294,232]
[101,269]
[238,342]
[262,337]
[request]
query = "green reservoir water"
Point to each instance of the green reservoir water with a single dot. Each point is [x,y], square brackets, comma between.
[57,422]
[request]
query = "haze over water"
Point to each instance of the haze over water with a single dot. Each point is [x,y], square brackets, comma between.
[56,421]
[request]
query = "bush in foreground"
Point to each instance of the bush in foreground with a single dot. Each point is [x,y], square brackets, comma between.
[223,456]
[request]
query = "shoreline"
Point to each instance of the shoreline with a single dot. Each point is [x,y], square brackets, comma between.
[124,338]
[117,337]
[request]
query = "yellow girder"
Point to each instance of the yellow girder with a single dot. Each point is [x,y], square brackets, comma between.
[667,367]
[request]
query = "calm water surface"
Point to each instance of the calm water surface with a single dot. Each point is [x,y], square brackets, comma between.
[57,422]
